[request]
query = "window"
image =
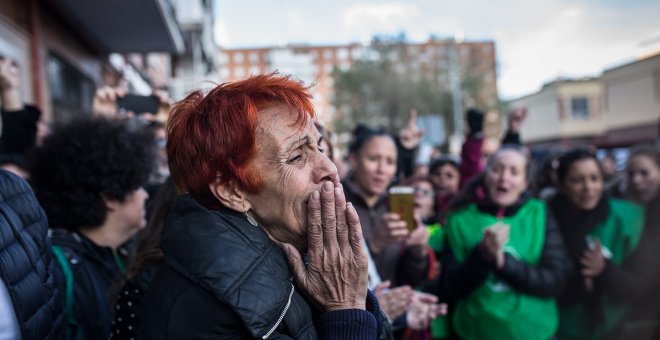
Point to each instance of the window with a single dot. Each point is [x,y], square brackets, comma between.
[342,54]
[71,92]
[580,108]
[238,57]
[254,57]
[327,54]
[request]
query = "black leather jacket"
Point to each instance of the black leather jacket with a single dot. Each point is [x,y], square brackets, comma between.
[224,278]
[27,266]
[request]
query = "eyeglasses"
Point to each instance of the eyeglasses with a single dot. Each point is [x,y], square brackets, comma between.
[425,192]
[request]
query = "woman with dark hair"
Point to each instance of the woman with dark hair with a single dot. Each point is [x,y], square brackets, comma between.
[504,261]
[446,176]
[257,190]
[637,278]
[88,176]
[600,233]
[373,159]
[142,266]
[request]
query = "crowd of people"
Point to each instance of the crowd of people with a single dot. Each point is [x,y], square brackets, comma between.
[231,214]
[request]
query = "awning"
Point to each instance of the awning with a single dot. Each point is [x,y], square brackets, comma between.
[124,26]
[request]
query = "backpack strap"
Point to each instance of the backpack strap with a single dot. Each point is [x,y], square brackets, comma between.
[65,260]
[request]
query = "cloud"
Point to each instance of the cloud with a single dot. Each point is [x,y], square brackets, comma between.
[536,40]
[573,40]
[365,19]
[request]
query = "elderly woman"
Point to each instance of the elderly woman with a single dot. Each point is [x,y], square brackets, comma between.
[504,261]
[259,190]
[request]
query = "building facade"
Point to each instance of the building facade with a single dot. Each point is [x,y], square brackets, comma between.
[474,60]
[619,109]
[63,47]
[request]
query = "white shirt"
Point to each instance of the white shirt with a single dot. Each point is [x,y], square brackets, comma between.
[9,329]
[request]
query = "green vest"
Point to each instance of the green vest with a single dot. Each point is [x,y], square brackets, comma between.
[495,310]
[439,325]
[619,235]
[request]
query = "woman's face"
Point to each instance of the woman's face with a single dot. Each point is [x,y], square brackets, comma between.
[643,178]
[292,166]
[424,199]
[447,179]
[131,212]
[506,177]
[583,184]
[374,166]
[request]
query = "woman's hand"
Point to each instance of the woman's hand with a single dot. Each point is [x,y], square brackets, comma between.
[391,229]
[105,101]
[495,239]
[335,276]
[419,236]
[9,92]
[394,302]
[593,261]
[424,308]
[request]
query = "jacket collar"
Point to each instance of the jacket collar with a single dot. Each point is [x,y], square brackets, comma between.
[236,261]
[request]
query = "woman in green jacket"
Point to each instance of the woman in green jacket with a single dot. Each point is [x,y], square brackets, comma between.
[505,260]
[600,232]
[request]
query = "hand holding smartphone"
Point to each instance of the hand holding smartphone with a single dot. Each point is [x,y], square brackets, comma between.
[402,202]
[139,104]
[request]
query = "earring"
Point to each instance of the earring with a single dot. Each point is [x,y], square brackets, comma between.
[250,219]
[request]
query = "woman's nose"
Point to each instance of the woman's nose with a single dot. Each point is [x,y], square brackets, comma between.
[325,169]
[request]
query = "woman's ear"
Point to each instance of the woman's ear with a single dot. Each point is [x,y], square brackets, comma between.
[110,205]
[229,195]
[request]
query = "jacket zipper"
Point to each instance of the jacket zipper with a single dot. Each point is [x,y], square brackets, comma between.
[286,308]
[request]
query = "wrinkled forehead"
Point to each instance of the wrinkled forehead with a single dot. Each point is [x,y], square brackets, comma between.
[281,124]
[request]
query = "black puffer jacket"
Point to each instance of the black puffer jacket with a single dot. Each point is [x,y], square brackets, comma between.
[27,266]
[224,278]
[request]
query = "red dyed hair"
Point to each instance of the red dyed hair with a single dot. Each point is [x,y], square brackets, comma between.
[214,136]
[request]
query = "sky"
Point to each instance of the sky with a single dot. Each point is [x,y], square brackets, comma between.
[537,41]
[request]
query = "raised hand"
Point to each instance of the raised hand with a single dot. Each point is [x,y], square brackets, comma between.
[335,276]
[11,98]
[105,101]
[516,118]
[8,75]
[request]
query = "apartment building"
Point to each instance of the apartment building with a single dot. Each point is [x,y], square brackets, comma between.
[314,64]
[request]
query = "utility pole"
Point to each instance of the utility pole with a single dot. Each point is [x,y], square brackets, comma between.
[457,95]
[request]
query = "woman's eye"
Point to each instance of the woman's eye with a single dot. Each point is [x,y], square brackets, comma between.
[295,159]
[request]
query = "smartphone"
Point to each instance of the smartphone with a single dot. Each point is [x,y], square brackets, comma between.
[402,202]
[138,104]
